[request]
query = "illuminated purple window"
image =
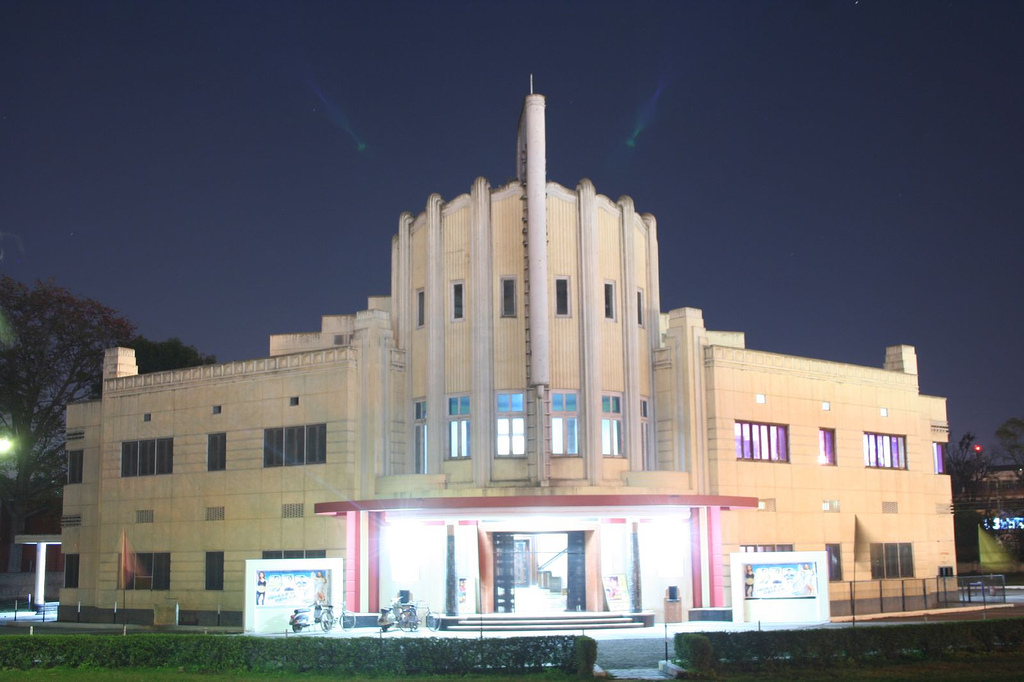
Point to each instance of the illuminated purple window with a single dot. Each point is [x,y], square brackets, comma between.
[766,442]
[826,446]
[939,456]
[885,452]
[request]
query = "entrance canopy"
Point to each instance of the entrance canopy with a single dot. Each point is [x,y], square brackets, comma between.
[537,504]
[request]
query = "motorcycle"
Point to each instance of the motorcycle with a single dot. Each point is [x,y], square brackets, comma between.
[321,615]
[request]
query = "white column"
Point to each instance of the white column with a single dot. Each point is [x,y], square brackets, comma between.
[481,302]
[38,597]
[537,249]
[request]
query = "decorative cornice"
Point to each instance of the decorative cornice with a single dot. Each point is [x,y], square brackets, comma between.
[790,365]
[344,356]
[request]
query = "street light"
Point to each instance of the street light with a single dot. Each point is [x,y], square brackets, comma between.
[6,445]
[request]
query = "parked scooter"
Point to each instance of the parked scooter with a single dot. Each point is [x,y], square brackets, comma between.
[386,618]
[306,617]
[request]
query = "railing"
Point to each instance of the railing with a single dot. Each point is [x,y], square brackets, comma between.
[894,596]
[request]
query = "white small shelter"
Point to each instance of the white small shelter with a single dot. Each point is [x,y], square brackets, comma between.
[274,588]
[780,587]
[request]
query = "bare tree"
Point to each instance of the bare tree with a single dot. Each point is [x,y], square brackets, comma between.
[1011,445]
[967,465]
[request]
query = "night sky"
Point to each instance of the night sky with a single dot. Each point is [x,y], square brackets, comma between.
[828,177]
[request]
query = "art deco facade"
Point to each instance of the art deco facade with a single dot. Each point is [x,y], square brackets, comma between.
[517,414]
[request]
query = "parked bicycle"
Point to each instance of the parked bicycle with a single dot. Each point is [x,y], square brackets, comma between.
[348,619]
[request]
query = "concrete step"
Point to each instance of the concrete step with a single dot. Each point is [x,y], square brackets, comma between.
[568,625]
[542,622]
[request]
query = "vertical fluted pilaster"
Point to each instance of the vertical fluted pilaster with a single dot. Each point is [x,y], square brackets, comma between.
[482,330]
[436,316]
[590,290]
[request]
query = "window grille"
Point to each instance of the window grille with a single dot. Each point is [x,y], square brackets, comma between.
[215,513]
[292,511]
[143,516]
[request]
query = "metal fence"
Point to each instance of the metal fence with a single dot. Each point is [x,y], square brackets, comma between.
[867,597]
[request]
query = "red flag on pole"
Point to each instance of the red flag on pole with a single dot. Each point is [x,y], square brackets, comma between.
[127,563]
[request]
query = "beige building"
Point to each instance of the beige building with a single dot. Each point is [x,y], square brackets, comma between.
[517,427]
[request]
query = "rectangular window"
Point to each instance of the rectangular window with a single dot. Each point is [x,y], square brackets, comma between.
[457,301]
[565,418]
[562,297]
[938,457]
[149,571]
[885,452]
[130,459]
[420,307]
[511,425]
[71,563]
[609,300]
[892,560]
[215,570]
[458,427]
[316,444]
[508,296]
[74,466]
[826,446]
[164,456]
[295,554]
[216,451]
[640,307]
[147,457]
[766,442]
[420,436]
[835,562]
[611,426]
[766,548]
[295,445]
[273,447]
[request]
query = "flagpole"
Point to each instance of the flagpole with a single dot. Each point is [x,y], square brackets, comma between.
[121,577]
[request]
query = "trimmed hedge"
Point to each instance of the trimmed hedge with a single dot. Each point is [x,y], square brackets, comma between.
[350,656]
[586,656]
[694,651]
[854,646]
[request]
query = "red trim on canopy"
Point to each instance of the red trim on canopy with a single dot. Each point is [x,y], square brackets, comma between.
[524,502]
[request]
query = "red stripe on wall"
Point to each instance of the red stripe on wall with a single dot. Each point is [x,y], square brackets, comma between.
[715,552]
[373,556]
[695,555]
[352,561]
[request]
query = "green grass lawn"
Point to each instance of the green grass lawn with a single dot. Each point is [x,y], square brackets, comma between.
[966,669]
[162,675]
